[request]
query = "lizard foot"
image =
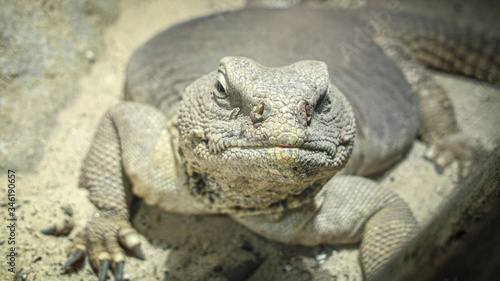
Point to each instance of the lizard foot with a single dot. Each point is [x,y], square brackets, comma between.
[465,150]
[102,239]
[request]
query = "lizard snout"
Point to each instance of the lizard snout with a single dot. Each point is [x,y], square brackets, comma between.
[282,122]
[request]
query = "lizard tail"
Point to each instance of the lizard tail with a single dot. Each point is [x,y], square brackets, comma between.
[449,47]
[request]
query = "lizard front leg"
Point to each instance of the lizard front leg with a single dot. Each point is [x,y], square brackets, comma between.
[122,155]
[349,209]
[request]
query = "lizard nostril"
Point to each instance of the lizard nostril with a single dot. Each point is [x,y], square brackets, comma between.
[306,111]
[261,111]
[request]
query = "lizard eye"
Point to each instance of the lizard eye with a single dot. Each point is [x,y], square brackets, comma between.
[220,91]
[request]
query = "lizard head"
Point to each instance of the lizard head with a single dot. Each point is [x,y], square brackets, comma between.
[287,124]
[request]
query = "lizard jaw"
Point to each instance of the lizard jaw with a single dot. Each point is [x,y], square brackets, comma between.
[218,146]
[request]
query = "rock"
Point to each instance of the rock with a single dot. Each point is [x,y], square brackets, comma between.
[44,49]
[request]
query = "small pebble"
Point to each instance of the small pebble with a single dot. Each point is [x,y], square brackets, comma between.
[90,55]
[439,189]
[321,258]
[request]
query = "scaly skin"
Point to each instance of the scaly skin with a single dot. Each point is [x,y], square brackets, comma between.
[262,144]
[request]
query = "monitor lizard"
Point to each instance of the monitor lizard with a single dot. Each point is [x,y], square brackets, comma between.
[209,129]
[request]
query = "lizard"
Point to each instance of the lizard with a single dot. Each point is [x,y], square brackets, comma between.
[262,143]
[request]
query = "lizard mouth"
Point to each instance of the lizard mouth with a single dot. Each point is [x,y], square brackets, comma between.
[267,162]
[219,147]
[271,163]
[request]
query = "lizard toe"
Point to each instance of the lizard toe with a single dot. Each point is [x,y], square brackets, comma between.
[77,251]
[62,227]
[117,256]
[76,256]
[119,270]
[103,269]
[457,147]
[131,239]
[465,168]
[441,157]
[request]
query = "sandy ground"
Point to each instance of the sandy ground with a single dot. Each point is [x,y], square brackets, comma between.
[182,247]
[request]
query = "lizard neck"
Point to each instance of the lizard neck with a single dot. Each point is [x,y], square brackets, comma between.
[242,193]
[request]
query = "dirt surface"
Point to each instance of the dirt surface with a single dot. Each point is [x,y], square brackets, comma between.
[185,247]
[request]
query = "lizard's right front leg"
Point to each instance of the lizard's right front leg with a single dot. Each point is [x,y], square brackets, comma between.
[122,154]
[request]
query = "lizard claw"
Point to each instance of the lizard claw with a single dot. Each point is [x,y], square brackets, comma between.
[60,228]
[465,168]
[138,252]
[103,269]
[119,270]
[77,255]
[49,230]
[130,239]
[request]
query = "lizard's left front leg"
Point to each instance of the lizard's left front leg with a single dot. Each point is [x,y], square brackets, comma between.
[349,209]
[439,128]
